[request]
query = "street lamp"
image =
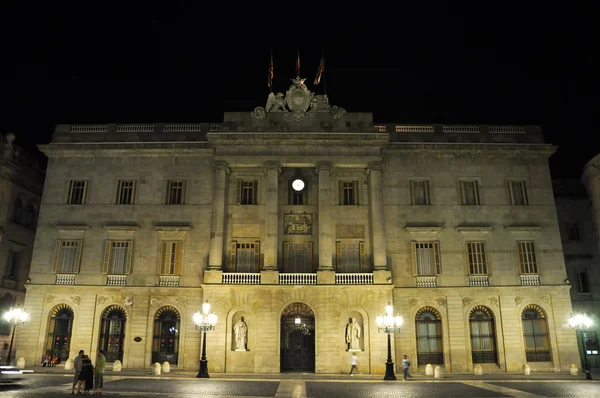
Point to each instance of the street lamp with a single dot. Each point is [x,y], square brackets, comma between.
[582,322]
[14,317]
[205,322]
[389,324]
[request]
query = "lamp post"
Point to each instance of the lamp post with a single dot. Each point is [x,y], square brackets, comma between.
[205,322]
[389,324]
[15,317]
[581,322]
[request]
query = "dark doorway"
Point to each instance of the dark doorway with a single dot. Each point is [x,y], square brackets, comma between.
[112,333]
[297,339]
[165,342]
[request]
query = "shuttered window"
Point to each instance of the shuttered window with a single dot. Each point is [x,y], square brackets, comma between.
[426,258]
[171,256]
[118,257]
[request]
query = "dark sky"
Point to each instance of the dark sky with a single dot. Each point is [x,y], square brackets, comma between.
[428,62]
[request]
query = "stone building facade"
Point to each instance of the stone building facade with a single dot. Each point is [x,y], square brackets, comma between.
[303,221]
[21,184]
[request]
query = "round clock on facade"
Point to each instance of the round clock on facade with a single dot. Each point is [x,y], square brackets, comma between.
[298,185]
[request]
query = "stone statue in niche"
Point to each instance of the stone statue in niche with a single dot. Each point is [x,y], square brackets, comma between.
[240,331]
[353,331]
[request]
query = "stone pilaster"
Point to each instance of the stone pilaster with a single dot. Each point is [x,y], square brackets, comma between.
[215,257]
[271,216]
[376,213]
[325,238]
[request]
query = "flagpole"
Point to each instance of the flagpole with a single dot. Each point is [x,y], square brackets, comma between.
[324,74]
[271,72]
[297,62]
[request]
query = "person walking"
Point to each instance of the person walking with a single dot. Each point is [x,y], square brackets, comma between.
[77,364]
[405,366]
[353,361]
[100,365]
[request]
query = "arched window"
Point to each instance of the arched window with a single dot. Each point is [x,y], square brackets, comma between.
[60,327]
[112,333]
[165,342]
[483,335]
[18,211]
[429,337]
[535,334]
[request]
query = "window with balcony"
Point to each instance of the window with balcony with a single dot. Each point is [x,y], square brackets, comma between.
[348,193]
[126,192]
[572,231]
[426,258]
[247,192]
[245,256]
[527,258]
[350,257]
[176,192]
[13,262]
[77,192]
[518,193]
[67,256]
[118,257]
[469,193]
[583,285]
[477,258]
[298,257]
[419,192]
[171,255]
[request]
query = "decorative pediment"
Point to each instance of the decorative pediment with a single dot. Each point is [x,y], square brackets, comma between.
[172,231]
[474,230]
[523,229]
[71,231]
[417,230]
[121,231]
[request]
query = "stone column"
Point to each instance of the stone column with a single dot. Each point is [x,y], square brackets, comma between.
[377,219]
[591,179]
[325,238]
[215,257]
[271,216]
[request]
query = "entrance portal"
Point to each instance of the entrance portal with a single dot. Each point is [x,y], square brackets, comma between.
[297,339]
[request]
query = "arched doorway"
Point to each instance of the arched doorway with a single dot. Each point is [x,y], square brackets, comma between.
[483,335]
[112,333]
[60,327]
[297,339]
[429,337]
[165,341]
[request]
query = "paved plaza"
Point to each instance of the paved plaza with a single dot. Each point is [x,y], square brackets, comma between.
[310,385]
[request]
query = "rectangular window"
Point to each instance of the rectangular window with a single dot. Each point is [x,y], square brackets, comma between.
[117,257]
[12,265]
[350,257]
[477,258]
[67,256]
[348,193]
[582,282]
[469,193]
[572,231]
[176,192]
[419,193]
[298,257]
[77,192]
[527,257]
[518,193]
[245,256]
[126,192]
[247,192]
[426,258]
[590,339]
[171,255]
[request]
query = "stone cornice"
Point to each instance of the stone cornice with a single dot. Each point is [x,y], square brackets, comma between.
[420,230]
[473,149]
[309,139]
[125,148]
[523,229]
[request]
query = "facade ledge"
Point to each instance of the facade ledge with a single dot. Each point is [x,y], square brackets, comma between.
[72,227]
[121,227]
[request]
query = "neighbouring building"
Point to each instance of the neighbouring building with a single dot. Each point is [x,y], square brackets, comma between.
[301,221]
[21,184]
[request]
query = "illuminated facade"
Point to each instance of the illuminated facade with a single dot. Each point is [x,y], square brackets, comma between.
[300,210]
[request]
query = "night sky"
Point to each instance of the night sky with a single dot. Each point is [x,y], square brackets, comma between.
[435,62]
